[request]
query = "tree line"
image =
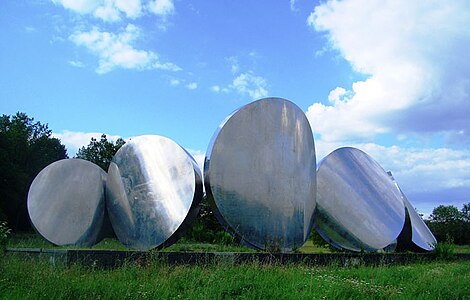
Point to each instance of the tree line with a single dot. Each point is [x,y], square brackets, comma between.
[27,146]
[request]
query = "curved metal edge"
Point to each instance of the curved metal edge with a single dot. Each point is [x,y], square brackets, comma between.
[408,239]
[193,209]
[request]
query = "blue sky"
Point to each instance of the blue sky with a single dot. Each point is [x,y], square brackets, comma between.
[389,77]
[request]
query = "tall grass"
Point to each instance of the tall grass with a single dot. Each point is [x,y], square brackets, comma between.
[28,279]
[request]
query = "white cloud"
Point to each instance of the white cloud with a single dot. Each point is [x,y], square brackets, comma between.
[218,89]
[30,29]
[191,86]
[292,5]
[132,8]
[74,140]
[174,82]
[79,6]
[106,10]
[76,63]
[117,51]
[415,54]
[161,7]
[234,64]
[248,84]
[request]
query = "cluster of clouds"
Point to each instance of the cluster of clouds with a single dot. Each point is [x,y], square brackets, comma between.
[117,49]
[414,56]
[246,83]
[116,10]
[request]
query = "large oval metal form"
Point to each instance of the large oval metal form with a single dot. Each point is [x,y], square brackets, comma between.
[153,192]
[358,205]
[66,202]
[416,235]
[259,175]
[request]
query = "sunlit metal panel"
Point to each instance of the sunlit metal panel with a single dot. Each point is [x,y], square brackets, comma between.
[358,205]
[260,173]
[153,192]
[66,202]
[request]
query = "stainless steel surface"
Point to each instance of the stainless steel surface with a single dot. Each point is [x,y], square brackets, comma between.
[358,205]
[66,202]
[153,192]
[259,175]
[421,237]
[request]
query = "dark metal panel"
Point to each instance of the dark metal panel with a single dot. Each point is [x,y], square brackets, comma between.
[421,237]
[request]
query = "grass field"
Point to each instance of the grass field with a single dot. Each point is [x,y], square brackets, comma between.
[25,278]
[22,278]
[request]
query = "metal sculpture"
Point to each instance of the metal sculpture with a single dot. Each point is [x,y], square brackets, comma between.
[260,173]
[66,202]
[153,192]
[358,206]
[416,235]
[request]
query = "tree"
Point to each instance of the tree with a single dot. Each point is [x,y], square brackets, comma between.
[445,214]
[447,220]
[466,212]
[26,147]
[100,152]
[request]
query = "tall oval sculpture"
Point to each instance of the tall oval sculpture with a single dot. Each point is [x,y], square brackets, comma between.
[66,202]
[358,206]
[260,173]
[416,235]
[153,192]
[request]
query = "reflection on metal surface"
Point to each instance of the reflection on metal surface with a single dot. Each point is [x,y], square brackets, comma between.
[416,235]
[358,206]
[153,192]
[66,202]
[260,175]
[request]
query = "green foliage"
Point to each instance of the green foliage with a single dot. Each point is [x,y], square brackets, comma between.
[4,233]
[100,152]
[316,238]
[449,221]
[445,214]
[207,229]
[445,250]
[26,147]
[30,279]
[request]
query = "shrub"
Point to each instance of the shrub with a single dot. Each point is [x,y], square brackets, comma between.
[445,250]
[4,233]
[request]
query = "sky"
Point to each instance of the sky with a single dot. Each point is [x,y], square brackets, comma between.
[391,78]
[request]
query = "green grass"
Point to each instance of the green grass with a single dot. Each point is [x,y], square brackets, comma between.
[32,240]
[22,278]
[465,249]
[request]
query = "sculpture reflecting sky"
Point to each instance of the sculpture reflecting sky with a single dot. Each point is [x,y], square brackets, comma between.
[153,192]
[358,205]
[66,202]
[260,175]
